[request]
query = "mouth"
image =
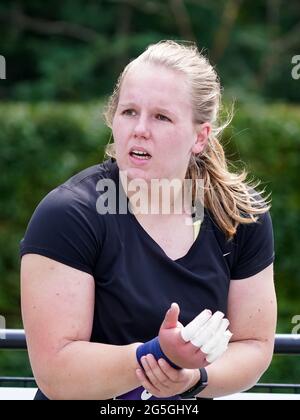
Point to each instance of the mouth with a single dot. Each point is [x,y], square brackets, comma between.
[140,155]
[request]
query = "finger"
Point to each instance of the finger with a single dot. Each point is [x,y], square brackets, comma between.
[212,343]
[208,331]
[190,330]
[216,355]
[221,348]
[223,326]
[156,370]
[227,337]
[169,371]
[204,336]
[155,381]
[223,342]
[145,382]
[215,321]
[171,317]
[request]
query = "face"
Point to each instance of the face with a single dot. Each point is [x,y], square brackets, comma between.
[155,113]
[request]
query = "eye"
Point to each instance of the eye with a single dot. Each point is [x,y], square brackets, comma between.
[163,117]
[128,112]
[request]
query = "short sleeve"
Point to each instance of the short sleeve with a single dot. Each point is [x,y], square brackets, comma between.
[64,227]
[255,248]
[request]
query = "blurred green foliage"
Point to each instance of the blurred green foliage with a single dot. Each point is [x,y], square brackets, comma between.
[41,146]
[44,144]
[74,50]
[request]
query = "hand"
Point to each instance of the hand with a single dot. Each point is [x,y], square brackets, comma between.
[162,380]
[183,354]
[209,333]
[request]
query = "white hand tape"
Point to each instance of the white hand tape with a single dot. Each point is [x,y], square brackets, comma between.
[208,330]
[220,349]
[205,335]
[190,330]
[212,344]
[216,355]
[215,320]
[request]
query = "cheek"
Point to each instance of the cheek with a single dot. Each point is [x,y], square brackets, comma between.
[115,128]
[177,140]
[119,132]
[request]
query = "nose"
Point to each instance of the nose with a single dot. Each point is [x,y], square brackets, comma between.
[141,129]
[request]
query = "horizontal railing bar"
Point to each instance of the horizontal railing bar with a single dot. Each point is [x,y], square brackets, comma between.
[26,382]
[12,339]
[294,386]
[284,343]
[15,378]
[287,344]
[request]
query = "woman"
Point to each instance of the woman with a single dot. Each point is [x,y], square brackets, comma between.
[96,286]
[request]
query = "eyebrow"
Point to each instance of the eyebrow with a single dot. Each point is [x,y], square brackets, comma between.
[158,108]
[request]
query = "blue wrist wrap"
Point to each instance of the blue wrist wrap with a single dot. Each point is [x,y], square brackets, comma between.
[153,347]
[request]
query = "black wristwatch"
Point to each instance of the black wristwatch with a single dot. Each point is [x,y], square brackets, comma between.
[198,387]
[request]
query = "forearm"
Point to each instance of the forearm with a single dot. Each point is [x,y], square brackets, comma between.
[239,369]
[83,370]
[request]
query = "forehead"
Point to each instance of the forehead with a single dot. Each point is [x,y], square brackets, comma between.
[155,85]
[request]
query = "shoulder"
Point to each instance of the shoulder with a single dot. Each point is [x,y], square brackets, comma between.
[260,230]
[258,221]
[66,226]
[80,191]
[255,248]
[84,183]
[72,204]
[252,247]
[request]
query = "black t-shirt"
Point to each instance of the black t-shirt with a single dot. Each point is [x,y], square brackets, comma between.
[135,281]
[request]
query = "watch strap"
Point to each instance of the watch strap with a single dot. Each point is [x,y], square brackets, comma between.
[198,387]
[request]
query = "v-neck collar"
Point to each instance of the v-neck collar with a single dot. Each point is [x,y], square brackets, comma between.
[149,237]
[115,172]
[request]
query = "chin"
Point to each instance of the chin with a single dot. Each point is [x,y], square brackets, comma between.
[133,173]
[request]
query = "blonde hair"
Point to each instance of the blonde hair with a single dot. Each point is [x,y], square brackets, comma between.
[227,195]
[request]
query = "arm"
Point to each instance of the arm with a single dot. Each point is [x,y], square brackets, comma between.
[58,310]
[252,312]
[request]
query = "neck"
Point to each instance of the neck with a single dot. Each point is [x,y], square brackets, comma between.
[156,199]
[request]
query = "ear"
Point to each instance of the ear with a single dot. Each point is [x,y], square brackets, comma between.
[202,134]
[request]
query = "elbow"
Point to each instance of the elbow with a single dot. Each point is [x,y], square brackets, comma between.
[264,366]
[260,367]
[57,385]
[268,353]
[260,358]
[55,390]
[265,358]
[52,375]
[51,379]
[49,387]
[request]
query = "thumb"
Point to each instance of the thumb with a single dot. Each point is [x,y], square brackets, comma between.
[171,317]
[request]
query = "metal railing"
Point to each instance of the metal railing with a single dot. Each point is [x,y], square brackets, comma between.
[285,344]
[13,339]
